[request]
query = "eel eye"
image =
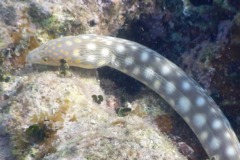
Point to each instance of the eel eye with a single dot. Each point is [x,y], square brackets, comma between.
[45,59]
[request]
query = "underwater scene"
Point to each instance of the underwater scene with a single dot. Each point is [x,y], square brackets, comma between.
[119,79]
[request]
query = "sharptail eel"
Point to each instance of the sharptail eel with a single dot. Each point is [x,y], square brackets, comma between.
[158,73]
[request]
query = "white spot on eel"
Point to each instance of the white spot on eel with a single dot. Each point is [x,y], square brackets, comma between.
[120,48]
[216,124]
[186,86]
[105,52]
[91,46]
[129,61]
[136,71]
[184,95]
[156,84]
[184,104]
[204,135]
[170,88]
[165,69]
[144,56]
[199,120]
[214,143]
[200,101]
[149,73]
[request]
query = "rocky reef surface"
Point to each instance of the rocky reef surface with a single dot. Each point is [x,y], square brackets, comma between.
[53,117]
[201,36]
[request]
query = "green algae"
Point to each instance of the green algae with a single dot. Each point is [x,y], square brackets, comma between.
[123,112]
[97,98]
[64,69]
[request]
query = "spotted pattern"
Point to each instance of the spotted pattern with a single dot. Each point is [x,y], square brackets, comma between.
[215,143]
[165,69]
[186,86]
[185,96]
[69,43]
[144,56]
[200,101]
[199,120]
[91,46]
[184,105]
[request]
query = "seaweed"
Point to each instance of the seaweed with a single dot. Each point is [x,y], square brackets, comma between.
[38,139]
[97,98]
[64,68]
[123,111]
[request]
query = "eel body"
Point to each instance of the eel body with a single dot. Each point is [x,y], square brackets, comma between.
[158,73]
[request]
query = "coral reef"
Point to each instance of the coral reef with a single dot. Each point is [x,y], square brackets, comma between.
[216,65]
[201,36]
[168,31]
[26,24]
[51,117]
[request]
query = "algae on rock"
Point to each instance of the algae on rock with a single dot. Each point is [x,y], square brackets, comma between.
[55,117]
